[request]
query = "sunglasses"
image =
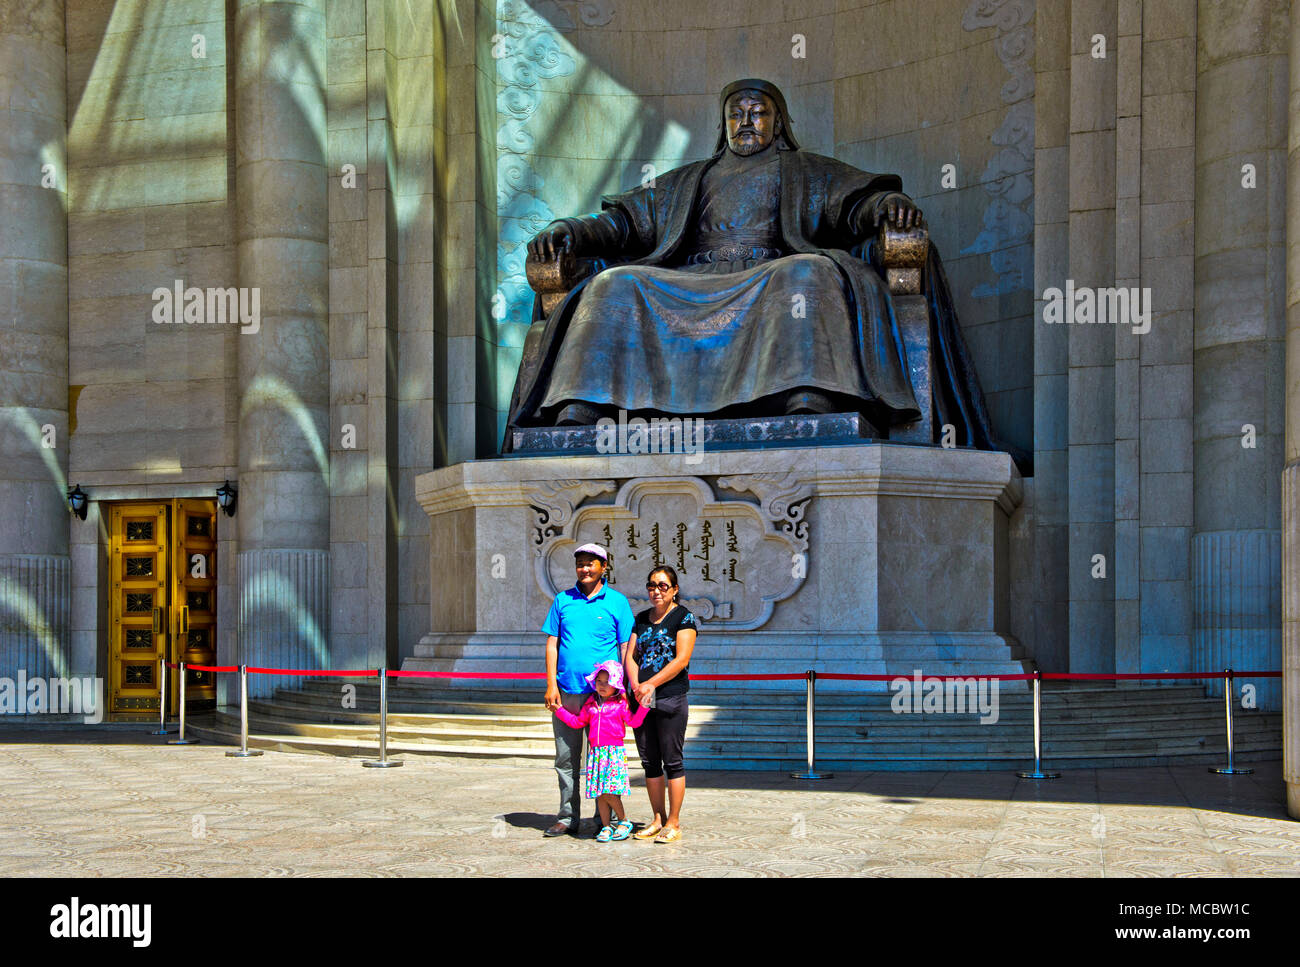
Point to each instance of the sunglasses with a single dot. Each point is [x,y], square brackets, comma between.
[661,586]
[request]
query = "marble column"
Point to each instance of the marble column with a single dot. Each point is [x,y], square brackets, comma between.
[34,563]
[1238,338]
[1091,352]
[1291,452]
[282,230]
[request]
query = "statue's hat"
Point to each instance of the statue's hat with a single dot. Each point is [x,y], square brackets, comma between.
[764,87]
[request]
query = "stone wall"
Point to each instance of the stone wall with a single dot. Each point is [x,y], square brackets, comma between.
[35,604]
[595,98]
[150,201]
[467,126]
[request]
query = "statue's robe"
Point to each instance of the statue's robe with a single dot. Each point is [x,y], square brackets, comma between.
[688,325]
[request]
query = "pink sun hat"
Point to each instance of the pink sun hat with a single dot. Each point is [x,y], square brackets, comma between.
[615,674]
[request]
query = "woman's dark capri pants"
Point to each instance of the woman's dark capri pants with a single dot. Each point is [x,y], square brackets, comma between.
[661,736]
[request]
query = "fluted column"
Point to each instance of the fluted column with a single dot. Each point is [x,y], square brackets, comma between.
[1238,338]
[1291,470]
[34,570]
[283,235]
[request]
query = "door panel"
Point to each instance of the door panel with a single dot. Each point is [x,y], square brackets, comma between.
[138,607]
[162,601]
[194,610]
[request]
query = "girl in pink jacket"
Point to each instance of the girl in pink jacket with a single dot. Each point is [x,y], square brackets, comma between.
[606,718]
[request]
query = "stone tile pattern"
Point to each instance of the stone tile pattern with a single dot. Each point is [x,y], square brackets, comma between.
[90,805]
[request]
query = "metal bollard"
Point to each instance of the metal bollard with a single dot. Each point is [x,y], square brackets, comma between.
[162,699]
[243,752]
[383,762]
[1228,696]
[1038,772]
[180,738]
[812,772]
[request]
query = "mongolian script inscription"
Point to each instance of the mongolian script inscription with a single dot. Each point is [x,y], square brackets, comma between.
[733,557]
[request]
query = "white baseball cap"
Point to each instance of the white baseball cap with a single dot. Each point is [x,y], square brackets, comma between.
[595,550]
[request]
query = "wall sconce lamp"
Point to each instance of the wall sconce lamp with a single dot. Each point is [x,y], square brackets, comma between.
[78,501]
[227,498]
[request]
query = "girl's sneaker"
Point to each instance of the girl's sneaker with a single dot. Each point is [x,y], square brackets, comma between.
[605,834]
[622,830]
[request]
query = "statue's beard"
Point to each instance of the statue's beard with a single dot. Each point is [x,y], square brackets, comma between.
[746,148]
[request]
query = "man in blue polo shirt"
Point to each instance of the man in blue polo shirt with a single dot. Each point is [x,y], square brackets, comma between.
[587,624]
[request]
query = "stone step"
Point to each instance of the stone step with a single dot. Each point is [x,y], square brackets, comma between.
[701,692]
[794,693]
[756,760]
[789,743]
[529,656]
[1086,724]
[709,720]
[865,714]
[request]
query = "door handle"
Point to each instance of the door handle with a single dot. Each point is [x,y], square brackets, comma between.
[185,619]
[157,620]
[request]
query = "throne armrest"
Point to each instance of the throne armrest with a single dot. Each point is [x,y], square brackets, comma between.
[552,280]
[902,256]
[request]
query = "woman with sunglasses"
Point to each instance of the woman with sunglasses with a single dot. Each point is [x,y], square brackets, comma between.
[658,656]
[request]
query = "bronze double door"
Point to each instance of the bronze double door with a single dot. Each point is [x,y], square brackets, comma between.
[162,603]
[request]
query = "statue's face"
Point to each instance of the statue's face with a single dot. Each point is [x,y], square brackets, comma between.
[752,122]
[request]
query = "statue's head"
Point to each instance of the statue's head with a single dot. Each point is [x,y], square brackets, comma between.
[753,117]
[752,121]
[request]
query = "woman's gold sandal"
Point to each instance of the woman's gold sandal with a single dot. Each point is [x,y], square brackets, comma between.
[669,834]
[648,832]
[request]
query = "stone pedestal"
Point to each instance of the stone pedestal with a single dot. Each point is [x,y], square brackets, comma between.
[874,558]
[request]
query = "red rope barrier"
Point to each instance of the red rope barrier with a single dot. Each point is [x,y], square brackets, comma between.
[748,678]
[394,673]
[212,668]
[839,677]
[363,673]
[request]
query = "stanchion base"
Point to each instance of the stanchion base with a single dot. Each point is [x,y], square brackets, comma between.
[381,763]
[1039,775]
[163,732]
[1231,772]
[244,753]
[812,775]
[182,741]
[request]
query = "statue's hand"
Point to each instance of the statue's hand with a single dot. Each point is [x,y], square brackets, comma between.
[897,209]
[547,245]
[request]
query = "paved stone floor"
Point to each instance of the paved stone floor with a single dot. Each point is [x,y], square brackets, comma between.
[119,804]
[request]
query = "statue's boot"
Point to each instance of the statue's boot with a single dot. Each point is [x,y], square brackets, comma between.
[807,401]
[577,414]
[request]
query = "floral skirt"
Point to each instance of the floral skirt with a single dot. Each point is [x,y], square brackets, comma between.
[607,771]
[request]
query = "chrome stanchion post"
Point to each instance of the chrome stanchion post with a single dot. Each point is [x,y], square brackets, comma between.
[180,737]
[811,726]
[1229,693]
[383,762]
[243,751]
[162,699]
[1038,772]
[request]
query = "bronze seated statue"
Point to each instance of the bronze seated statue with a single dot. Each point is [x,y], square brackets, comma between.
[762,281]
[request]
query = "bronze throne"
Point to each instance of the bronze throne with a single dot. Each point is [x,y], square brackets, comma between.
[902,255]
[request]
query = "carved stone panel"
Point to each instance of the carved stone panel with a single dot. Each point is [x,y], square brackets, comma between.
[735,558]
